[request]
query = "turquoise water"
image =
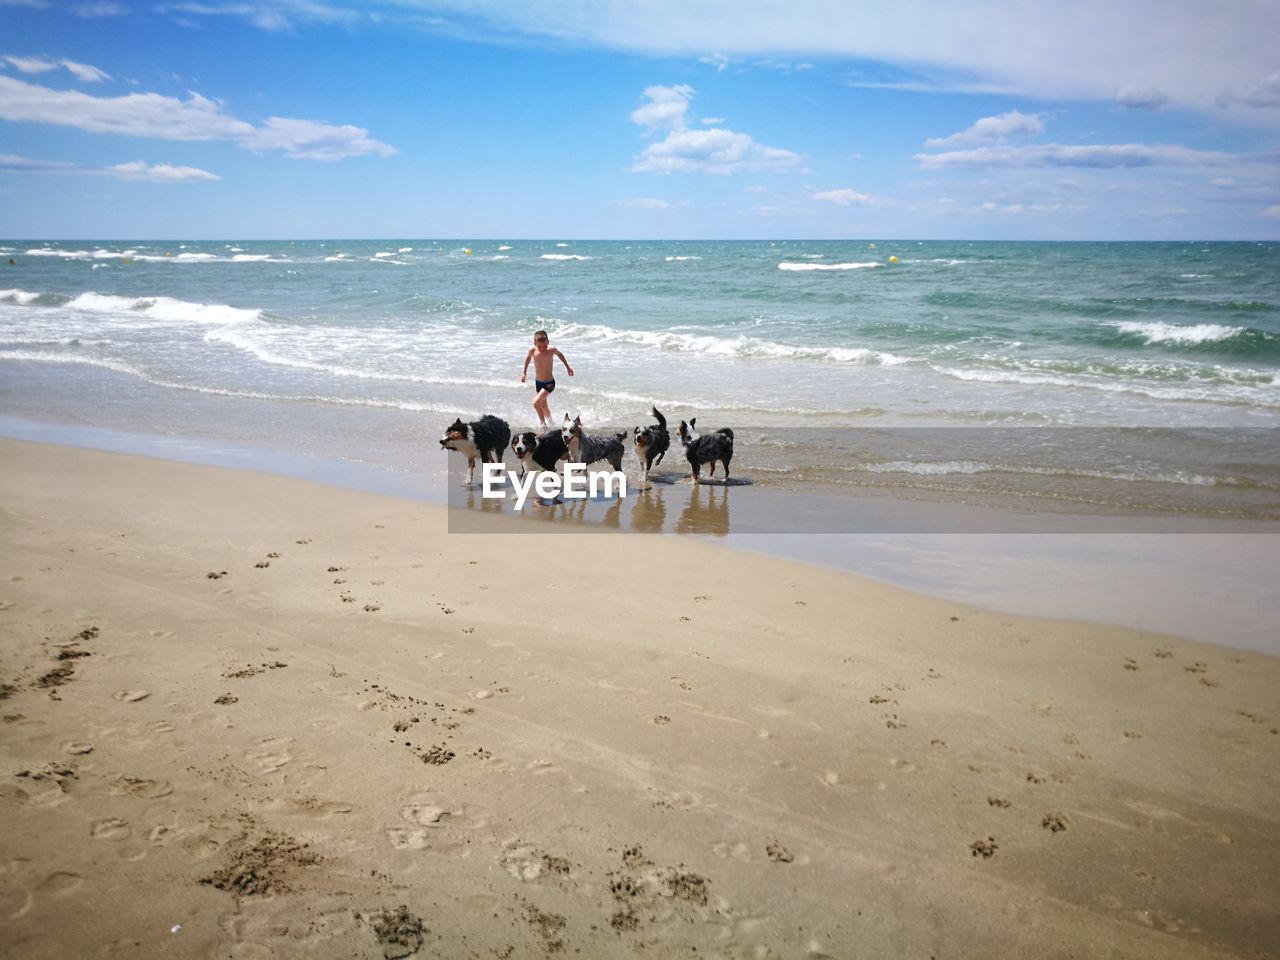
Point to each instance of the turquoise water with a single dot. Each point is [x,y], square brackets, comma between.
[363,349]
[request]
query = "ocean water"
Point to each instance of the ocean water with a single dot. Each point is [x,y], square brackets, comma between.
[365,350]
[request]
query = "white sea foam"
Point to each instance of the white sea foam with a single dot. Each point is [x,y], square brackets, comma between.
[163,308]
[405,250]
[561,244]
[384,253]
[336,256]
[938,468]
[40,356]
[1263,394]
[504,247]
[787,265]
[563,256]
[18,296]
[1157,332]
[257,258]
[742,347]
[670,259]
[500,256]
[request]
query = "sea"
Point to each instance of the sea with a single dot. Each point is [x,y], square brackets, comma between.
[873,386]
[835,362]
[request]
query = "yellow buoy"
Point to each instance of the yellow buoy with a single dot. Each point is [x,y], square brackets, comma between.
[893,259]
[128,260]
[466,251]
[871,246]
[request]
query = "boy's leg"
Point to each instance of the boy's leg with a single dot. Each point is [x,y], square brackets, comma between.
[540,407]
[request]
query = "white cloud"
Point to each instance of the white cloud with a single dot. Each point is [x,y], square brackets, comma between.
[157,172]
[136,170]
[9,161]
[717,60]
[1272,213]
[159,117]
[81,71]
[310,140]
[711,121]
[683,150]
[1087,49]
[103,8]
[712,151]
[1263,94]
[844,198]
[1140,98]
[1059,155]
[280,15]
[644,203]
[665,109]
[1011,124]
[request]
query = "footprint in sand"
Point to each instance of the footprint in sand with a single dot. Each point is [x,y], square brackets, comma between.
[138,787]
[113,829]
[403,838]
[130,696]
[59,883]
[77,747]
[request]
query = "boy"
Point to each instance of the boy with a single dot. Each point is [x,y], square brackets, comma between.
[543,356]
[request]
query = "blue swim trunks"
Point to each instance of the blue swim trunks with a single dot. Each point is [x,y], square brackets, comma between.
[547,385]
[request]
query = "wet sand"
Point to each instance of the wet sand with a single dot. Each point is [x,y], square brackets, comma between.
[249,716]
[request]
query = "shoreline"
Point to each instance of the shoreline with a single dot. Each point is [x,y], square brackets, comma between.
[1209,586]
[209,749]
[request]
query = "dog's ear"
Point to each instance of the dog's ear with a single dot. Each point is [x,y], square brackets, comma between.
[692,421]
[577,421]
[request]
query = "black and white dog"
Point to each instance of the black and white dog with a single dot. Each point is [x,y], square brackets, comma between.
[589,450]
[538,451]
[706,450]
[485,439]
[651,443]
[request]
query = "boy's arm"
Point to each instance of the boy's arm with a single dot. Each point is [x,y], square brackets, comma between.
[525,369]
[564,361]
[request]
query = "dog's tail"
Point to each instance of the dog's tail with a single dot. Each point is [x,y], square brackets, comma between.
[657,415]
[726,431]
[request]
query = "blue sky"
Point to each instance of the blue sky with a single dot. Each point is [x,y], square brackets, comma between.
[217,119]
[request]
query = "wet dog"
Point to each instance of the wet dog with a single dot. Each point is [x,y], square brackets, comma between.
[484,439]
[589,450]
[538,451]
[706,450]
[651,443]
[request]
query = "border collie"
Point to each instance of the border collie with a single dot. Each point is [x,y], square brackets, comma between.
[651,443]
[589,450]
[706,449]
[484,439]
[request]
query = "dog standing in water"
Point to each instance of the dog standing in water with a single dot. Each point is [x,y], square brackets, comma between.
[485,439]
[706,450]
[589,450]
[651,443]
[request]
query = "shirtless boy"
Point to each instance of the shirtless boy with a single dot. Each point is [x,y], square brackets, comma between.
[543,355]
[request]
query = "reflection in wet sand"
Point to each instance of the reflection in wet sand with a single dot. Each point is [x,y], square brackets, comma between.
[649,511]
[707,512]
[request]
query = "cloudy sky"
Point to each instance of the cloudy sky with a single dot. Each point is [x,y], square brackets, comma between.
[235,119]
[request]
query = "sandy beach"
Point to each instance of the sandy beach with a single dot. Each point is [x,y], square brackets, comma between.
[248,716]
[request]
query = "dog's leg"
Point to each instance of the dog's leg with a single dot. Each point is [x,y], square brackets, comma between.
[471,470]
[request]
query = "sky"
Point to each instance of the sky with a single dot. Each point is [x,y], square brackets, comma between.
[662,119]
